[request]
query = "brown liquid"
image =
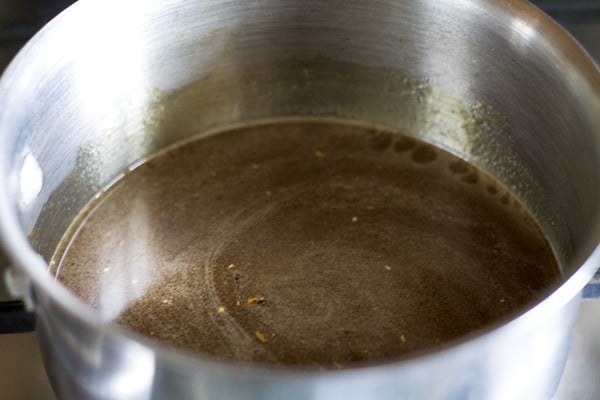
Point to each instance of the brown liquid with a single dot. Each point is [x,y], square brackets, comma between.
[306,243]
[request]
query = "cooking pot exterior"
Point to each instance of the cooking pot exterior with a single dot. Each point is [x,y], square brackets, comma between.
[108,83]
[511,363]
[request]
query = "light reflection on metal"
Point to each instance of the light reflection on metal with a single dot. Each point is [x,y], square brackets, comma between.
[31,180]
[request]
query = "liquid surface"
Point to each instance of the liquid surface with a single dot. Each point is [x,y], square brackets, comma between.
[314,244]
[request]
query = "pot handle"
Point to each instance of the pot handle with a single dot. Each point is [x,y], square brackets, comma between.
[16,316]
[592,290]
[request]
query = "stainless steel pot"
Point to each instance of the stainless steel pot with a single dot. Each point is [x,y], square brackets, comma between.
[110,82]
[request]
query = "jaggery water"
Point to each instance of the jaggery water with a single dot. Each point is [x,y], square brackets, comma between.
[316,244]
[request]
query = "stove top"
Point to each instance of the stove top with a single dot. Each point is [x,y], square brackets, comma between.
[22,375]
